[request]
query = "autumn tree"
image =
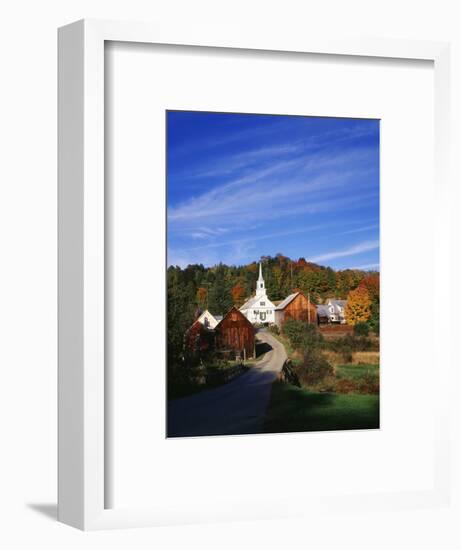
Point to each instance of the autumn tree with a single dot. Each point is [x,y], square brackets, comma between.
[371,283]
[201,297]
[238,294]
[358,307]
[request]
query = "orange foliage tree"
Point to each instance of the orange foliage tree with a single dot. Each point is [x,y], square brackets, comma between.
[358,307]
[201,297]
[238,294]
[371,283]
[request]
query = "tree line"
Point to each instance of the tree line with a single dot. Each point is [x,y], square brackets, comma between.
[196,288]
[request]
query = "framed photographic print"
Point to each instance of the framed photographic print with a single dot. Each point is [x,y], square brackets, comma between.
[236,216]
[248,195]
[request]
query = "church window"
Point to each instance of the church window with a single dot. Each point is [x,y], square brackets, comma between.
[261,285]
[262,303]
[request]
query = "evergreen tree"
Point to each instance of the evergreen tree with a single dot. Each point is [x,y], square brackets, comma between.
[220,297]
[180,313]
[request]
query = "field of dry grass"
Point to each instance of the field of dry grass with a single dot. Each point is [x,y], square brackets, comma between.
[335,331]
[365,357]
[358,357]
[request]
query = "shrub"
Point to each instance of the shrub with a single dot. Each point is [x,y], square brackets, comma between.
[294,330]
[375,328]
[351,343]
[302,335]
[369,384]
[361,329]
[346,354]
[274,329]
[314,368]
[182,380]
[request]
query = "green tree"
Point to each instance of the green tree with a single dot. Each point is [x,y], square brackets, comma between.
[180,313]
[220,297]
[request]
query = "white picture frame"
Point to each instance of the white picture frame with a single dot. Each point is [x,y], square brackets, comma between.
[83,468]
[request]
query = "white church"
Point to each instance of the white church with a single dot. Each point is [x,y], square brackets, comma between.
[259,309]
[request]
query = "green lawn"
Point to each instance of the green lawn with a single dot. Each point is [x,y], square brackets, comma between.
[355,372]
[293,409]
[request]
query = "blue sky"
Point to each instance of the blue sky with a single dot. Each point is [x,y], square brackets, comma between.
[243,186]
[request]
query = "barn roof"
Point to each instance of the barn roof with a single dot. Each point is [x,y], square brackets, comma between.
[199,325]
[283,304]
[233,308]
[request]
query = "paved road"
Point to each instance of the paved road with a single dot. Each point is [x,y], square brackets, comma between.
[234,408]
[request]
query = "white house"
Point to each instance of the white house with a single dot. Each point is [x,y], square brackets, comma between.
[259,309]
[336,310]
[209,320]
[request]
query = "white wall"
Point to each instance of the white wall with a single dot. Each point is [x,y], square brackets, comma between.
[28,274]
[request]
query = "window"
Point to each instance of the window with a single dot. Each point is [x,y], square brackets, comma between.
[263,315]
[262,303]
[261,285]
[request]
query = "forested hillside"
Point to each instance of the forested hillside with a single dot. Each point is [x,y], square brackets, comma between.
[219,287]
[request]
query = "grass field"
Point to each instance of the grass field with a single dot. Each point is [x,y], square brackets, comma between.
[356,372]
[293,409]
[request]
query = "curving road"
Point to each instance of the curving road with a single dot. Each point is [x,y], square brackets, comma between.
[234,408]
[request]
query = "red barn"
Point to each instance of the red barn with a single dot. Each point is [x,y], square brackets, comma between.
[295,306]
[236,333]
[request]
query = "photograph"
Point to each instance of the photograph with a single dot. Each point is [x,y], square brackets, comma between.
[272,274]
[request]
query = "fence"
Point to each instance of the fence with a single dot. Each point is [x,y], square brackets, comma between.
[287,374]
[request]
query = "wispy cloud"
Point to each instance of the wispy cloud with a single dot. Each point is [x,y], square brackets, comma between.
[263,127]
[361,229]
[261,237]
[242,161]
[282,188]
[257,186]
[350,251]
[207,232]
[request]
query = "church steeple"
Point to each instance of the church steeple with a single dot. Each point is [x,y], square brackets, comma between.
[260,285]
